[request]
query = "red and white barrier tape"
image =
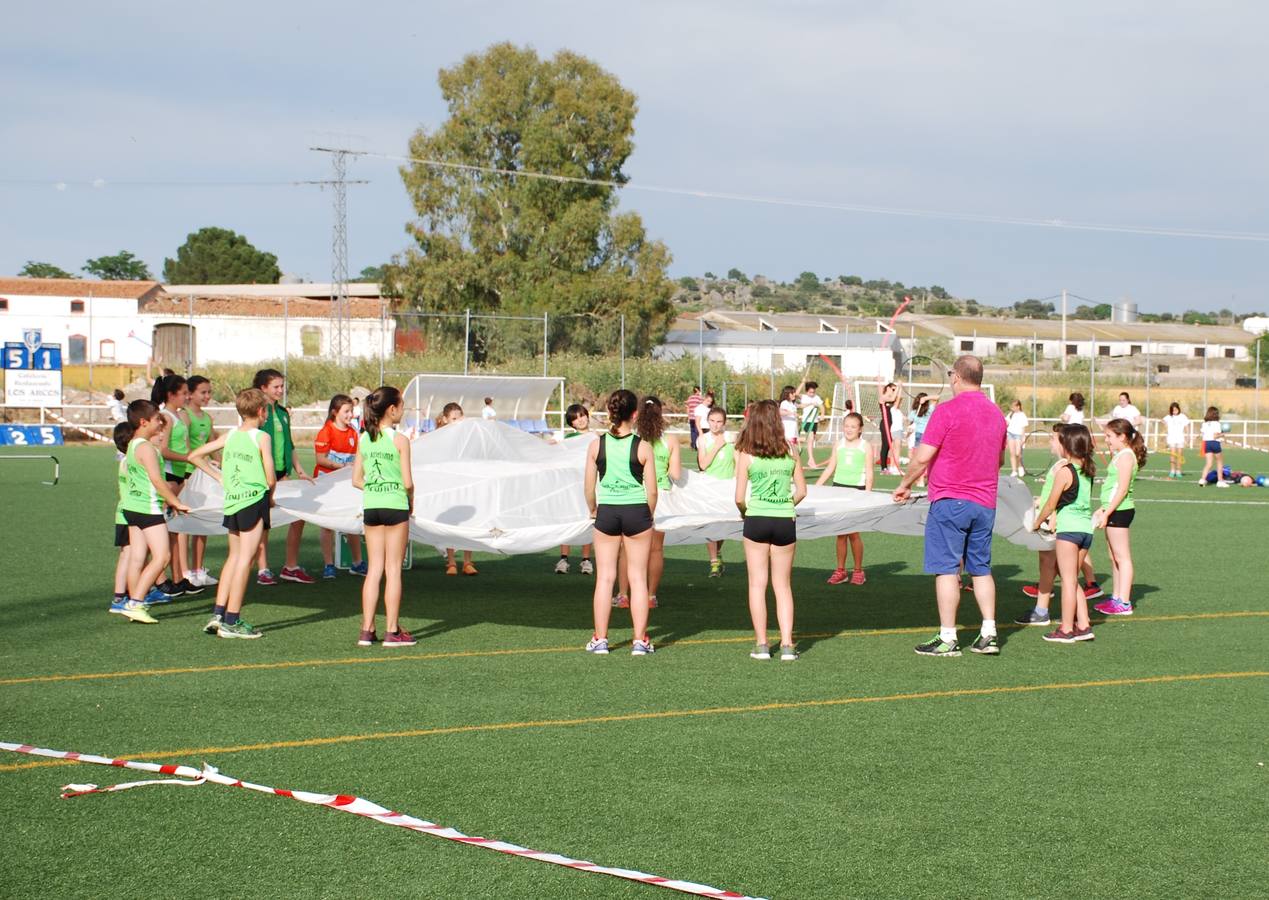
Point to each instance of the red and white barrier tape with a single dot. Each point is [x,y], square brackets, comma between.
[356,806]
[67,423]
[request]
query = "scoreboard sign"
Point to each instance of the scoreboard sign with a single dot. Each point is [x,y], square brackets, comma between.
[32,371]
[30,435]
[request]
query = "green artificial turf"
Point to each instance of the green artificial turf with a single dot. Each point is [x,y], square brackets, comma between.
[1099,790]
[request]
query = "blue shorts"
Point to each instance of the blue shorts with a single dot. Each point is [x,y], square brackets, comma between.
[1081,539]
[1013,436]
[958,530]
[1211,446]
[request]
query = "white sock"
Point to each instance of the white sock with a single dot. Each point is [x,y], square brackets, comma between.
[989,628]
[947,634]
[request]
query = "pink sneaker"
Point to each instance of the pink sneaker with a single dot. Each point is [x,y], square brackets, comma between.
[298,575]
[399,638]
[621,601]
[858,577]
[1114,607]
[838,576]
[264,576]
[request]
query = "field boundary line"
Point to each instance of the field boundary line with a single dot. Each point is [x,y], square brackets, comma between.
[666,714]
[571,648]
[1203,502]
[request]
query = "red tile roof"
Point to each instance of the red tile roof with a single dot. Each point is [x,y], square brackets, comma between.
[162,304]
[77,288]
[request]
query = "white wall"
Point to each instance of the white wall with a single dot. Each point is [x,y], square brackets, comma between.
[103,319]
[856,362]
[254,338]
[985,346]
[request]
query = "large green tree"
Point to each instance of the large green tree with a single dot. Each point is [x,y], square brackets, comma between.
[123,266]
[220,256]
[34,269]
[492,241]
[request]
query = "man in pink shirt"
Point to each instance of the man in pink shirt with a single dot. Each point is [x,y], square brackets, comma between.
[962,449]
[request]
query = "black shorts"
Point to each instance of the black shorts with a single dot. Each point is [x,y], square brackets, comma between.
[248,517]
[769,530]
[121,535]
[387,517]
[173,478]
[143,520]
[626,520]
[1121,518]
[279,474]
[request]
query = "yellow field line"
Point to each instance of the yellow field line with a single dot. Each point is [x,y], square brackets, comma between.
[526,651]
[663,714]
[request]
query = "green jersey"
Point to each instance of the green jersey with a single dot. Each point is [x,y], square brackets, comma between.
[771,487]
[143,497]
[1077,516]
[242,470]
[123,489]
[382,487]
[200,430]
[723,465]
[277,425]
[850,465]
[618,485]
[177,442]
[661,460]
[1111,483]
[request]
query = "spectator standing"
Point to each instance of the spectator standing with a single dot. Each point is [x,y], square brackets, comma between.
[116,407]
[489,412]
[693,402]
[700,416]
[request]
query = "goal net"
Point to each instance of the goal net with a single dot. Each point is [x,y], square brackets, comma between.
[530,403]
[866,400]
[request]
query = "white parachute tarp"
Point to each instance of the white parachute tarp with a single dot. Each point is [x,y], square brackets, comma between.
[481,485]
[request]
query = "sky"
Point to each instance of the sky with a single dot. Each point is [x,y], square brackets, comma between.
[131,125]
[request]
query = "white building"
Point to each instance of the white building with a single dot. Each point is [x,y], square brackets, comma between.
[131,322]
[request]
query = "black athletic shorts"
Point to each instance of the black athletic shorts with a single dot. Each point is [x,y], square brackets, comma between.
[121,535]
[1120,518]
[143,520]
[624,519]
[769,530]
[246,518]
[175,479]
[385,516]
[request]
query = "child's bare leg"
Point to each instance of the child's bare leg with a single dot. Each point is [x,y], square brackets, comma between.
[121,572]
[376,542]
[200,550]
[293,536]
[154,539]
[354,547]
[248,541]
[607,549]
[757,558]
[841,551]
[656,562]
[395,539]
[234,564]
[638,549]
[782,586]
[326,538]
[1068,567]
[857,547]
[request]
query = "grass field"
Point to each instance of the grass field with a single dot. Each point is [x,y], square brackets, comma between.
[1130,766]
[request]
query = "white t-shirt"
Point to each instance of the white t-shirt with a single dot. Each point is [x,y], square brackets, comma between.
[789,419]
[812,408]
[118,411]
[1072,415]
[702,416]
[896,420]
[1176,426]
[1211,431]
[1129,412]
[1017,422]
[489,413]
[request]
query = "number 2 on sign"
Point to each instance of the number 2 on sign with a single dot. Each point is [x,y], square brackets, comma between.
[17,437]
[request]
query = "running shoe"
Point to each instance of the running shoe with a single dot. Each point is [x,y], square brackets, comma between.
[652,601]
[116,606]
[561,567]
[195,577]
[156,598]
[451,569]
[188,588]
[936,646]
[1084,634]
[1031,590]
[642,648]
[170,588]
[1114,607]
[213,624]
[716,568]
[399,638]
[989,646]
[1224,484]
[1058,636]
[1033,616]
[207,579]
[586,568]
[469,569]
[858,577]
[1093,590]
[367,639]
[265,577]
[621,601]
[360,568]
[329,572]
[240,629]
[838,576]
[598,646]
[298,575]
[788,653]
[760,651]
[135,611]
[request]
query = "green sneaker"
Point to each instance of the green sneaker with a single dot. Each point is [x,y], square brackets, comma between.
[135,611]
[239,629]
[938,647]
[715,568]
[760,651]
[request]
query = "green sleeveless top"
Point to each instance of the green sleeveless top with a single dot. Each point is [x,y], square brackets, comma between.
[1111,482]
[277,425]
[242,470]
[177,442]
[723,465]
[1047,488]
[771,487]
[661,460]
[143,497]
[381,472]
[1077,516]
[200,430]
[850,466]
[618,486]
[123,490]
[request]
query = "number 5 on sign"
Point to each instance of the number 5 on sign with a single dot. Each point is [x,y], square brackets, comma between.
[15,357]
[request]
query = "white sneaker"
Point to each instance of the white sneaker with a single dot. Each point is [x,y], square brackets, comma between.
[561,567]
[586,568]
[1222,484]
[208,578]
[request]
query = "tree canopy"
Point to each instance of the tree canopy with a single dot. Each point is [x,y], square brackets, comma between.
[34,269]
[220,256]
[123,266]
[492,241]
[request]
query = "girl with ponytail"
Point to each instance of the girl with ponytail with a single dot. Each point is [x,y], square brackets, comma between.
[1072,499]
[170,393]
[1118,510]
[666,455]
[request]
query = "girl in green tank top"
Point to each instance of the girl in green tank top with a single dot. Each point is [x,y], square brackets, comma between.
[851,465]
[201,431]
[619,485]
[1118,511]
[172,393]
[1070,495]
[148,491]
[716,457]
[383,486]
[650,425]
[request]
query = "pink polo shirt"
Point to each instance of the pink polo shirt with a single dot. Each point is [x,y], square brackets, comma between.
[969,432]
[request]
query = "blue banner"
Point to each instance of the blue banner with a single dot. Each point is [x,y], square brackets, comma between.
[30,436]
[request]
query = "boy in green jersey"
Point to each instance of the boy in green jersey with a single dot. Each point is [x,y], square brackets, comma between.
[248,478]
[122,604]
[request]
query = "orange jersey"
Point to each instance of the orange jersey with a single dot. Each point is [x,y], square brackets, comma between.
[339,444]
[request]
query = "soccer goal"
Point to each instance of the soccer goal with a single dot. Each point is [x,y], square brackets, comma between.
[865,398]
[531,403]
